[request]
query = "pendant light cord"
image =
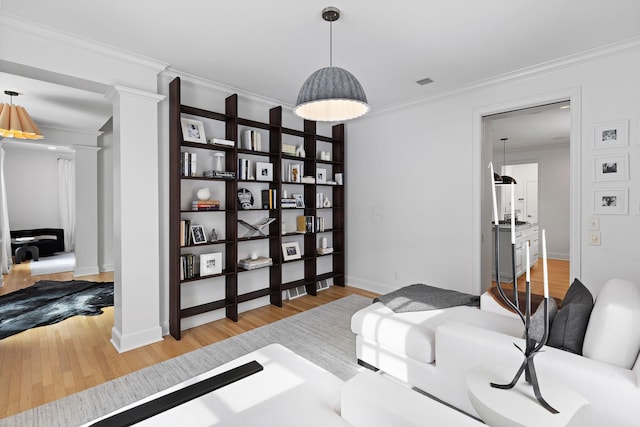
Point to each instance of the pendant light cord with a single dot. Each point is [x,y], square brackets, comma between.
[330,44]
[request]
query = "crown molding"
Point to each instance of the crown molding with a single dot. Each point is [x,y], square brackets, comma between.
[617,48]
[201,83]
[20,25]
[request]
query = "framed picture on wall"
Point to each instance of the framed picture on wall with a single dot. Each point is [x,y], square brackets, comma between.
[612,134]
[610,201]
[614,167]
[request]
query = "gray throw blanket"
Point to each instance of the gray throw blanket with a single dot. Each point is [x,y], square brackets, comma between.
[421,297]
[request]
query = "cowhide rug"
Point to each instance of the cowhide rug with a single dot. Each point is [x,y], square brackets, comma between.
[48,302]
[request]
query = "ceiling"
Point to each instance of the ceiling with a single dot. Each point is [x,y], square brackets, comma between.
[269,48]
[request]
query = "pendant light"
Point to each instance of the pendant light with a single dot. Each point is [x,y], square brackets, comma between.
[15,122]
[331,94]
[503,179]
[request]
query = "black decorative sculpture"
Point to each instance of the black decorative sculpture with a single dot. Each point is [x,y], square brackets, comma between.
[531,346]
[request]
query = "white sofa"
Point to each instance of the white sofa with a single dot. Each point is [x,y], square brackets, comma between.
[435,352]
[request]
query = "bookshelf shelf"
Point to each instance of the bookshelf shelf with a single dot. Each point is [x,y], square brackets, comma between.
[226,221]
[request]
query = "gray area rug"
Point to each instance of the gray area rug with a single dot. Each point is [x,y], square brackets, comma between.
[322,335]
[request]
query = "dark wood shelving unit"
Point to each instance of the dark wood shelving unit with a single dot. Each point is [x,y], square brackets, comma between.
[232,236]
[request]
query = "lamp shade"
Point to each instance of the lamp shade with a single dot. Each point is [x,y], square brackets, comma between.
[15,122]
[331,94]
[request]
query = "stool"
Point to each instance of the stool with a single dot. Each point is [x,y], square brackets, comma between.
[21,253]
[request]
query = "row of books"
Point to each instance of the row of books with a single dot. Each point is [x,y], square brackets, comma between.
[252,264]
[309,224]
[185,232]
[205,205]
[189,266]
[244,169]
[252,140]
[188,164]
[216,174]
[269,199]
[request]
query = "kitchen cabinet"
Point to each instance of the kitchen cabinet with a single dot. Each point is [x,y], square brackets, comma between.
[524,232]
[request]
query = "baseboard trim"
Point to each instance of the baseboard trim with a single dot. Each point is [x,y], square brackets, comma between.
[124,343]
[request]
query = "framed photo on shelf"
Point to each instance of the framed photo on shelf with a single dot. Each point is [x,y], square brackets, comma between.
[198,235]
[210,264]
[610,201]
[296,173]
[193,131]
[612,134]
[321,176]
[614,167]
[299,200]
[264,171]
[290,251]
[245,198]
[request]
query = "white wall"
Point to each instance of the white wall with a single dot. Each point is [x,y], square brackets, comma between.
[411,180]
[32,189]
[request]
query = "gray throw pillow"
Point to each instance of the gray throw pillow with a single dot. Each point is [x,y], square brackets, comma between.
[536,324]
[570,324]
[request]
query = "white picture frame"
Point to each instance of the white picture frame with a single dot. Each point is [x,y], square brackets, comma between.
[193,131]
[264,171]
[210,264]
[299,198]
[198,235]
[611,134]
[321,176]
[291,251]
[611,201]
[613,167]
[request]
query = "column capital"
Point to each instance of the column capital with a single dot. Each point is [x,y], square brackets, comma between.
[118,90]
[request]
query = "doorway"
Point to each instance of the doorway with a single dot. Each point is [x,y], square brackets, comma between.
[485,152]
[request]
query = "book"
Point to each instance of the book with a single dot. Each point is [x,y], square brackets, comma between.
[226,142]
[252,264]
[325,251]
[216,174]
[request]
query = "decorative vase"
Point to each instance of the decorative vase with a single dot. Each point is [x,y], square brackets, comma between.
[214,235]
[204,194]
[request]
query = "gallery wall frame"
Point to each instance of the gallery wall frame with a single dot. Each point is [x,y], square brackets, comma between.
[611,201]
[612,167]
[611,134]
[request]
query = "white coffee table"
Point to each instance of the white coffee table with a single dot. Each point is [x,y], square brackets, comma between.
[519,406]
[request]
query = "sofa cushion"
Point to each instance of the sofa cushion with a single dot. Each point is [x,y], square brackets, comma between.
[613,334]
[536,325]
[413,333]
[570,324]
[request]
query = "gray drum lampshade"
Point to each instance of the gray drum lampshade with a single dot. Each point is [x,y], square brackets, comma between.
[331,94]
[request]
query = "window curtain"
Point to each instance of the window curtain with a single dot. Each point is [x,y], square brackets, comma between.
[5,233]
[67,189]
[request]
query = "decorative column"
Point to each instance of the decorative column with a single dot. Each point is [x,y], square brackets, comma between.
[86,230]
[135,219]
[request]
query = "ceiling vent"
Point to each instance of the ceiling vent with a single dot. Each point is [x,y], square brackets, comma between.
[424,81]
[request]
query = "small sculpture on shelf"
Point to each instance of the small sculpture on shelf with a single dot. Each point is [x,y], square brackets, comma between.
[214,235]
[204,194]
[300,151]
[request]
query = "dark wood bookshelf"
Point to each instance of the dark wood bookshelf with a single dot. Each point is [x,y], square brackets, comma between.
[274,131]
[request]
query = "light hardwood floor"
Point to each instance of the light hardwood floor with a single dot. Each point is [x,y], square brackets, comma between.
[44,364]
[559,279]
